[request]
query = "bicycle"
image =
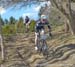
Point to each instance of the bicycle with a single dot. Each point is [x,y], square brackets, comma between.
[42,44]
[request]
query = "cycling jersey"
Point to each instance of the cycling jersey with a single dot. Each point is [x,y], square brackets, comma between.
[39,26]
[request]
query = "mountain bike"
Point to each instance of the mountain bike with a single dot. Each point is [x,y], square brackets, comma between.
[42,44]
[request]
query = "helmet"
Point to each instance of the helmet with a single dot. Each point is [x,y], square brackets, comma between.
[43,17]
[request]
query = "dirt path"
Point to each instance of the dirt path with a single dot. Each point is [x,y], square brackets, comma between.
[21,53]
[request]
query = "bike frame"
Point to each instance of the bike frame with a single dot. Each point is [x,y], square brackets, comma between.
[42,45]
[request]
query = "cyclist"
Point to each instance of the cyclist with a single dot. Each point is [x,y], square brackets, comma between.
[27,22]
[39,27]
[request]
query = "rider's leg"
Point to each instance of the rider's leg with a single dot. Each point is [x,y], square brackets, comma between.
[36,39]
[26,27]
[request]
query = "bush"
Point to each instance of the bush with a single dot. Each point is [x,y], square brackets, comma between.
[20,27]
[32,25]
[8,30]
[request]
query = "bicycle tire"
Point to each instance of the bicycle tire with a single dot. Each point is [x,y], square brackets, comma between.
[44,48]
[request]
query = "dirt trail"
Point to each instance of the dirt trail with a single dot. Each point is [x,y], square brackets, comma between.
[21,53]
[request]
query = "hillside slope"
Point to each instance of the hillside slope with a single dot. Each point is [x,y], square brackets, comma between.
[21,53]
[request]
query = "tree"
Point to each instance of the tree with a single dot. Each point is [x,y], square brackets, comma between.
[12,20]
[41,10]
[1,42]
[32,25]
[20,25]
[6,21]
[8,3]
[64,7]
[21,19]
[2,21]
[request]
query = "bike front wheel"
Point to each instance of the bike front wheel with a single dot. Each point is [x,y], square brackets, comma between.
[45,49]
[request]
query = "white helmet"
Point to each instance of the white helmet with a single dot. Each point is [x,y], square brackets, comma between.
[43,17]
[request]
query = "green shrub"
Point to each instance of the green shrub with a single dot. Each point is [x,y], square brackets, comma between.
[20,27]
[32,25]
[8,30]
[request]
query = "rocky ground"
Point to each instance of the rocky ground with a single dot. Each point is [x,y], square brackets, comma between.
[20,51]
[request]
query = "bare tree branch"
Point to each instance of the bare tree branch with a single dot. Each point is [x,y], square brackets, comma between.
[9,3]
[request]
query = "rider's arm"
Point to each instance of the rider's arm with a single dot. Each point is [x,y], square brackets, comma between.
[49,27]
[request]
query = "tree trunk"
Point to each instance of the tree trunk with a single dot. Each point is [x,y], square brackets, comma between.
[2,47]
[66,27]
[1,43]
[64,7]
[71,21]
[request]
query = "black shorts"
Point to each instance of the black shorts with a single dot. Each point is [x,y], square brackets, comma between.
[26,21]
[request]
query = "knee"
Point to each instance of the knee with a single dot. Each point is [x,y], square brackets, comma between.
[36,36]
